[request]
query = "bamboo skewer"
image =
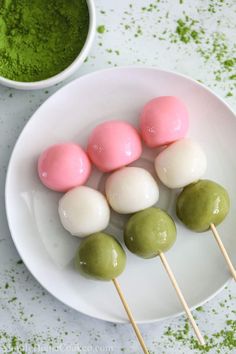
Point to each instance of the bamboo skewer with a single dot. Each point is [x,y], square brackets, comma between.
[223,250]
[130,316]
[182,299]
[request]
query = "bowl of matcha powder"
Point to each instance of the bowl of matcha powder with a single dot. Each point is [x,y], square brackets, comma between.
[42,42]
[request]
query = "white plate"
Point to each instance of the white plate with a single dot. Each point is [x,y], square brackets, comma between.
[48,250]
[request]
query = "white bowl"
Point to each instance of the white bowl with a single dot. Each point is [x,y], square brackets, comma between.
[66,72]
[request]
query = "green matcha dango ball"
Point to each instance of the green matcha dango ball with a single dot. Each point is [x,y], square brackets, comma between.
[149,233]
[100,256]
[201,204]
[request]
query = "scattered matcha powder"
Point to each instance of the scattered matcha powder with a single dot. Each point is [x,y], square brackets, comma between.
[186,30]
[222,340]
[190,34]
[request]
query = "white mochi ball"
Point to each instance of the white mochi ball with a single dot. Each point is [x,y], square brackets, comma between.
[131,189]
[181,163]
[83,211]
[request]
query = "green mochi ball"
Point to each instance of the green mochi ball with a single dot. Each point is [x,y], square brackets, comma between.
[100,256]
[201,204]
[149,233]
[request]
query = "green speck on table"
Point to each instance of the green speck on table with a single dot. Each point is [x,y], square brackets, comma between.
[101,29]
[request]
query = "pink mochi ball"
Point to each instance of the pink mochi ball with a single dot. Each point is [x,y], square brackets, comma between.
[63,166]
[114,144]
[163,121]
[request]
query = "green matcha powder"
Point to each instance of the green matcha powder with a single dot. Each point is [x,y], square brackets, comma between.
[40,38]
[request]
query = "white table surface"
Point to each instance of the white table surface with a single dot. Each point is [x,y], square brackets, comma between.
[137,32]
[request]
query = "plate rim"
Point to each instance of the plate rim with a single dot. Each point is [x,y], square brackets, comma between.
[7,182]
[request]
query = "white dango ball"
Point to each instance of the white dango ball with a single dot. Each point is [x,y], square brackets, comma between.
[83,211]
[131,189]
[181,163]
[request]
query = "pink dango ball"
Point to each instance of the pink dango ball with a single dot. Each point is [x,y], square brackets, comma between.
[63,166]
[114,144]
[164,120]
